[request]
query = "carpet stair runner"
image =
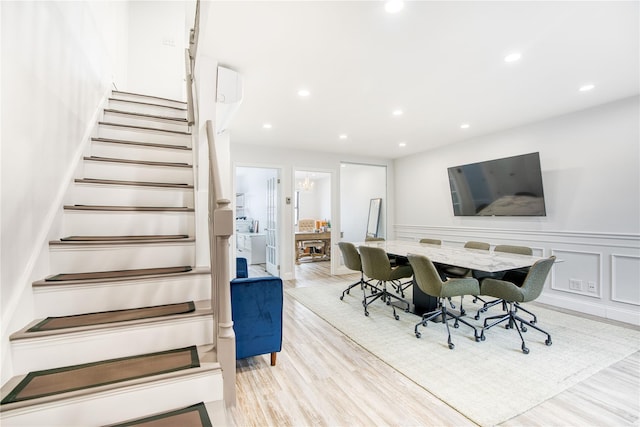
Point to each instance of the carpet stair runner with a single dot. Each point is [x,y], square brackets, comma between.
[124,343]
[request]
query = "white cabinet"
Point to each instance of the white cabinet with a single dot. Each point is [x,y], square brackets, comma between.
[252,246]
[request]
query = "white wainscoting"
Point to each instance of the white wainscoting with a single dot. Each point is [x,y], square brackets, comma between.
[597,273]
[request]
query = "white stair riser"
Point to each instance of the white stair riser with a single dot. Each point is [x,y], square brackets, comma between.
[148,100]
[133,120]
[63,300]
[138,152]
[130,195]
[142,108]
[114,406]
[142,135]
[137,172]
[83,223]
[64,259]
[111,343]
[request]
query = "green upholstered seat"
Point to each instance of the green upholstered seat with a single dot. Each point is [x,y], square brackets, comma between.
[513,294]
[429,282]
[352,261]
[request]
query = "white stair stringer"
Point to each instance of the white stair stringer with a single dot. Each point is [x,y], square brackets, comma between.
[141,151]
[116,402]
[74,346]
[97,168]
[83,223]
[146,120]
[114,194]
[142,134]
[91,296]
[147,107]
[90,257]
[136,97]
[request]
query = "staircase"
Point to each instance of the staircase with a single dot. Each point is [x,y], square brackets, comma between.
[127,251]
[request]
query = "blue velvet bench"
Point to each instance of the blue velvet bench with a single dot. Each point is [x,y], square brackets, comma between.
[256,310]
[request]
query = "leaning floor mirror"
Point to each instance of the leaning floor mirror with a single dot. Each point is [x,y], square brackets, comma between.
[374,217]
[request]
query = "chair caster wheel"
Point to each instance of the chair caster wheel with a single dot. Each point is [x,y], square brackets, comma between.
[482,337]
[451,346]
[418,334]
[347,292]
[463,312]
[548,341]
[456,325]
[342,297]
[478,339]
[366,313]
[477,317]
[523,328]
[525,350]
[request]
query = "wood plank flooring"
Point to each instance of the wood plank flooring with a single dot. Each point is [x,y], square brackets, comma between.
[322,378]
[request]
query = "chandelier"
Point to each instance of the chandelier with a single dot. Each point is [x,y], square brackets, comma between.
[306,185]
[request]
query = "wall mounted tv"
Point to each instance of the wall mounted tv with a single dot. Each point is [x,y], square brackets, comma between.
[511,186]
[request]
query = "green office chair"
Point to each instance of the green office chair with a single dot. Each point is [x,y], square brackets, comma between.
[454,272]
[377,266]
[429,282]
[431,241]
[511,293]
[352,261]
[514,276]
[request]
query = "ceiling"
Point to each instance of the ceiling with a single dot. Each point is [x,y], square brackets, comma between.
[440,62]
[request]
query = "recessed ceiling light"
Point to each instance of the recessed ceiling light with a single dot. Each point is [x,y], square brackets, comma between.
[393,6]
[267,126]
[586,88]
[464,126]
[342,136]
[397,112]
[303,92]
[402,144]
[512,57]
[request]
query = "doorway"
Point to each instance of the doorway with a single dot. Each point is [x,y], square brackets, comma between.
[312,209]
[258,217]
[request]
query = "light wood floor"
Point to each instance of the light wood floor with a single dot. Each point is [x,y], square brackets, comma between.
[322,378]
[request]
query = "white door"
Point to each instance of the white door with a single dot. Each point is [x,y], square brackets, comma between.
[271,229]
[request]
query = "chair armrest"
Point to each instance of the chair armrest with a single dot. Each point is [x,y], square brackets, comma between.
[242,270]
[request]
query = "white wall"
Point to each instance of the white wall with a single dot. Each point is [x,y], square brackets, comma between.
[289,161]
[158,32]
[358,185]
[58,59]
[591,174]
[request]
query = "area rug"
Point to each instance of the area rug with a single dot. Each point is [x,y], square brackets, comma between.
[489,381]
[70,378]
[192,416]
[89,319]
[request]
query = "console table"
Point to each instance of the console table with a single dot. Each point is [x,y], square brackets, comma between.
[323,238]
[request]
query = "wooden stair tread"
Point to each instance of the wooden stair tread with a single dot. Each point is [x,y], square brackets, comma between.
[204,359]
[191,416]
[144,144]
[145,128]
[135,238]
[128,208]
[87,322]
[84,241]
[64,277]
[149,103]
[195,271]
[147,116]
[132,183]
[137,162]
[148,96]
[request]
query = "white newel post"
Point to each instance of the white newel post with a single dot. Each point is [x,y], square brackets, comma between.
[223,229]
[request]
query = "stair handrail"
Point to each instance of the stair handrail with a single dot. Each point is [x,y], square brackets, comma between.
[220,226]
[220,231]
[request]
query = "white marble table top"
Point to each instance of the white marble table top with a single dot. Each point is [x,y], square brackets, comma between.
[474,259]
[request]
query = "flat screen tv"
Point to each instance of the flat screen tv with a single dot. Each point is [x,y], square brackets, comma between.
[511,186]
